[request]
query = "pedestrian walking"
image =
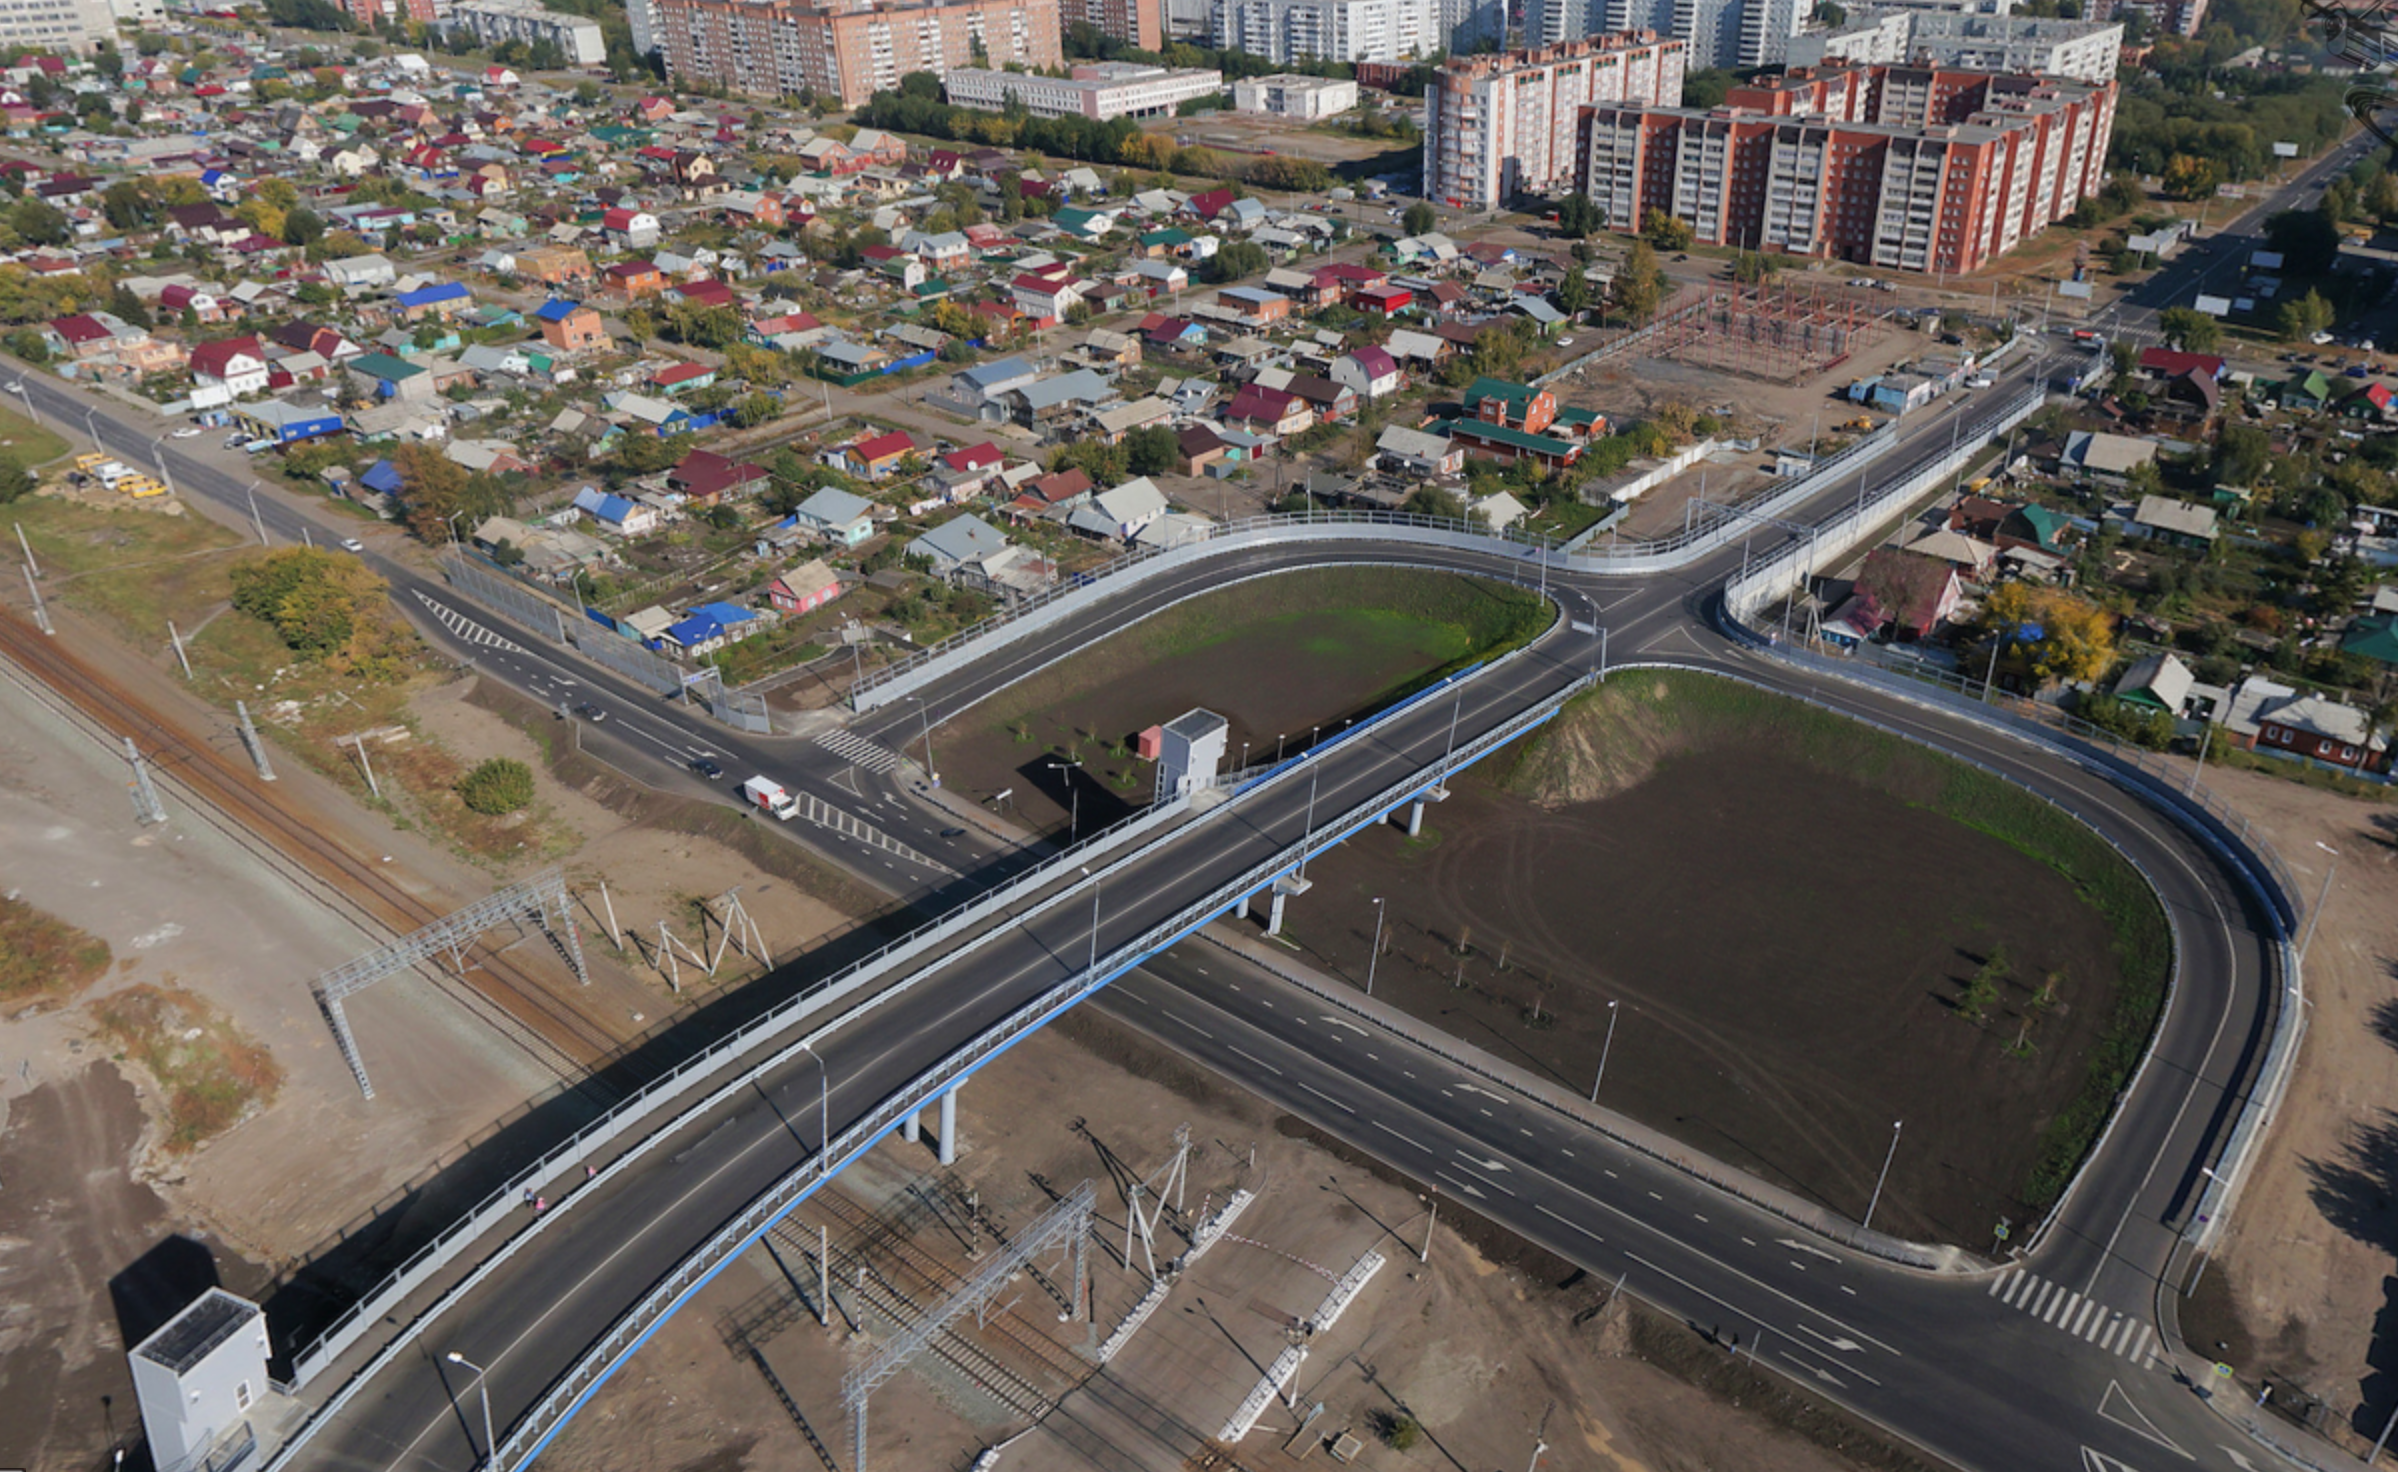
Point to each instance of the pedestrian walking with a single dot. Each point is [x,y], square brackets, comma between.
[540,1205]
[590,1172]
[528,1198]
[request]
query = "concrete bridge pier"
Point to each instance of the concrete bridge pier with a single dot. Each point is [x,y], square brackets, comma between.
[1280,891]
[1415,810]
[911,1128]
[949,1124]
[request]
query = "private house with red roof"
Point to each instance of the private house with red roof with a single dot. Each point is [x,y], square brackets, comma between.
[1046,294]
[204,305]
[1369,371]
[1205,207]
[1052,495]
[969,472]
[708,293]
[633,279]
[630,229]
[683,378]
[1906,593]
[80,336]
[1342,280]
[235,364]
[2173,363]
[878,456]
[1383,301]
[707,477]
[1275,411]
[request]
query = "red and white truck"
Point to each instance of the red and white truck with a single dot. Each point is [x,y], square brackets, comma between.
[769,796]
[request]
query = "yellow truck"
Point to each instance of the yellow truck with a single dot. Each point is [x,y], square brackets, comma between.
[138,486]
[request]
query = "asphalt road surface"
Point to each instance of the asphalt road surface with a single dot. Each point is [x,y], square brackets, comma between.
[2032,1367]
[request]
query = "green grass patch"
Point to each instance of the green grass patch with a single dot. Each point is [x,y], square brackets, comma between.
[27,443]
[211,1075]
[136,569]
[1613,737]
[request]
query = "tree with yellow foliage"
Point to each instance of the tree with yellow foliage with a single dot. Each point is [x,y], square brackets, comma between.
[2075,638]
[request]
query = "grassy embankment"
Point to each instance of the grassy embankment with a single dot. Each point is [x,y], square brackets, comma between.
[1615,736]
[135,569]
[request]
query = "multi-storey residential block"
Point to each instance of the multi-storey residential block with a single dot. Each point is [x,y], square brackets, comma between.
[1505,124]
[1908,168]
[498,21]
[1329,30]
[1139,23]
[1109,89]
[2084,50]
[372,13]
[2180,17]
[849,54]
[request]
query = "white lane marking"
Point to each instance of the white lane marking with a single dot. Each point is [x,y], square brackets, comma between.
[2118,1407]
[1410,1139]
[1193,1026]
[1569,1221]
[1327,1098]
[1260,1062]
[1343,1022]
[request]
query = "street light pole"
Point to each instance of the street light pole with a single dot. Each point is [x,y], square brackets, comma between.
[925,714]
[257,521]
[482,1384]
[1375,954]
[1308,837]
[1074,801]
[1876,1200]
[2323,897]
[1604,1049]
[824,1111]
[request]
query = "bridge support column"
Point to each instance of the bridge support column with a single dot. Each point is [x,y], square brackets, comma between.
[949,1125]
[1283,889]
[911,1128]
[1415,810]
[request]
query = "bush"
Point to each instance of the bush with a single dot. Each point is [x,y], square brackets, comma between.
[501,785]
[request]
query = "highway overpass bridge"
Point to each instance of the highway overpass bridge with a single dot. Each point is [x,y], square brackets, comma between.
[704,1160]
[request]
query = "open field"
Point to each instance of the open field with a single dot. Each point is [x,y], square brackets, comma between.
[1806,932]
[1277,657]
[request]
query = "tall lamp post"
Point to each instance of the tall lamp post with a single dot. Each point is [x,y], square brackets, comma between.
[1073,799]
[2322,897]
[824,1112]
[1604,1049]
[483,1385]
[924,713]
[1375,954]
[1876,1200]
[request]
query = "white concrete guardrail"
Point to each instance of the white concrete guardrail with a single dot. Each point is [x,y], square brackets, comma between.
[525,1440]
[2245,852]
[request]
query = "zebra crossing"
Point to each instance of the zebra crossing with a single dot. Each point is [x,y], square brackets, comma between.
[2086,1319]
[858,751]
[825,815]
[467,630]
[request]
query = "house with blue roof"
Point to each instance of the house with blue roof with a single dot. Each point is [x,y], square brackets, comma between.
[711,626]
[615,513]
[443,300]
[556,309]
[382,477]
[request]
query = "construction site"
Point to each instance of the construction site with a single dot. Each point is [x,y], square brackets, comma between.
[1785,329]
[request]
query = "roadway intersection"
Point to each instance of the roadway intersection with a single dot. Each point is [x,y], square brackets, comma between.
[1992,1371]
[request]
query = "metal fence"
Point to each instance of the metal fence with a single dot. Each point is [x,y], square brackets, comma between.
[551,620]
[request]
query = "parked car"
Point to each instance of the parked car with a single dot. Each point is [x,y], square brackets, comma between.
[708,767]
[352,544]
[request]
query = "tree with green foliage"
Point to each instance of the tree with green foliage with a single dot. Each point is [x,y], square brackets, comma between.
[1573,292]
[1639,285]
[2189,329]
[16,482]
[1579,217]
[1667,232]
[37,223]
[499,786]
[1420,219]
[1433,501]
[1237,260]
[1152,451]
[2308,241]
[2302,319]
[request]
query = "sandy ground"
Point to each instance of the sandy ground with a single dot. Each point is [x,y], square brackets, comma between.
[2307,1259]
[1477,1351]
[84,1195]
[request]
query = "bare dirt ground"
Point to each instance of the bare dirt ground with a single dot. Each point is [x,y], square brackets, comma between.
[1746,1026]
[2302,1289]
[1477,1346]
[87,1191]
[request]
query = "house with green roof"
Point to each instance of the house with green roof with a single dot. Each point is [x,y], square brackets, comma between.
[2308,392]
[2375,636]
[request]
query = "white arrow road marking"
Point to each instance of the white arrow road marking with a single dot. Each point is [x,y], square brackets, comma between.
[1485,1093]
[1462,1186]
[2117,1407]
[2095,1461]
[2237,1459]
[1842,1343]
[1342,1022]
[1809,1248]
[1816,1370]
[1489,1165]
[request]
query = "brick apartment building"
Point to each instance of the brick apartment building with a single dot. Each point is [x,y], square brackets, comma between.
[849,52]
[1906,168]
[1502,124]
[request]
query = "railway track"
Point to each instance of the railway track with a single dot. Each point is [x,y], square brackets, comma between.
[556,1033]
[932,1275]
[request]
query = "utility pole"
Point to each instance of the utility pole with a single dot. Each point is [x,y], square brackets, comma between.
[175,638]
[1879,1180]
[34,567]
[146,806]
[41,614]
[359,741]
[249,739]
[255,519]
[1604,1049]
[1375,954]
